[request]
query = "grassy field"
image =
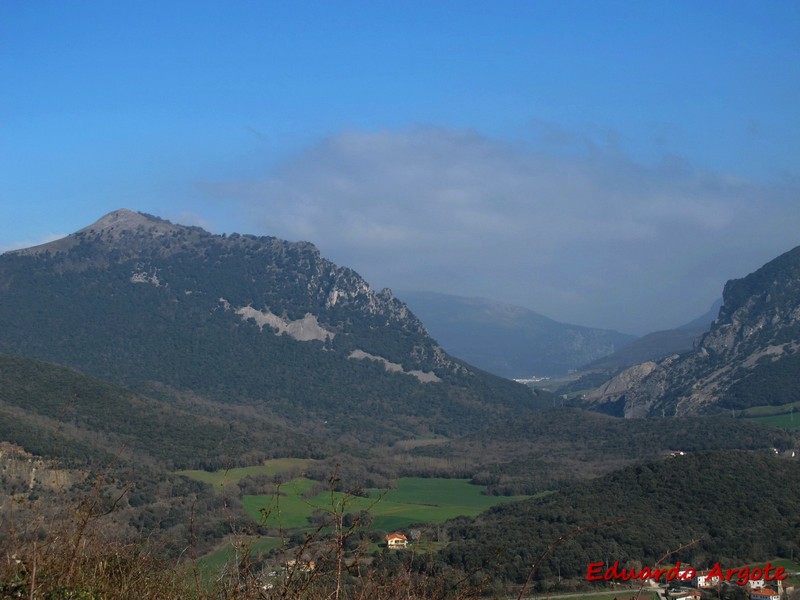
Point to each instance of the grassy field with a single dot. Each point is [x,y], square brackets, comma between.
[416,500]
[785,421]
[770,409]
[792,569]
[217,479]
[790,566]
[785,416]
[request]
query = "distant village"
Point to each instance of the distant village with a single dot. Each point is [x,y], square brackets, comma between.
[707,583]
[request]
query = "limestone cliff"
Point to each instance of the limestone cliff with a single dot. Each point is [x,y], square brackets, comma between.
[749,356]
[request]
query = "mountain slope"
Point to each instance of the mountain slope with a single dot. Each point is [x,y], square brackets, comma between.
[140,301]
[51,410]
[509,340]
[749,356]
[658,344]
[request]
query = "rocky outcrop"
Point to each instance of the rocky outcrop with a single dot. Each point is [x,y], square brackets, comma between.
[749,356]
[422,376]
[302,330]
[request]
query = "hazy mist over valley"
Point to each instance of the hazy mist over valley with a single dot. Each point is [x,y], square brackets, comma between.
[401,300]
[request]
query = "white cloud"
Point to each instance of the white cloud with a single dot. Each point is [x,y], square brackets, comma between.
[579,233]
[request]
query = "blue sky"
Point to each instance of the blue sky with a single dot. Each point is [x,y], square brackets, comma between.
[603,163]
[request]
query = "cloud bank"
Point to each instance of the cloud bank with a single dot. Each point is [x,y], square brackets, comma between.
[578,232]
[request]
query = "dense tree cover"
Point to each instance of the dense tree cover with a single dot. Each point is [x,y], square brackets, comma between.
[176,325]
[139,501]
[213,390]
[545,451]
[743,507]
[770,382]
[55,411]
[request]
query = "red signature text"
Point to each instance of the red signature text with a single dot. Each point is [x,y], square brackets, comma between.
[599,571]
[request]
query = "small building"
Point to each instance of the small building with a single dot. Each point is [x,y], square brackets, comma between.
[702,580]
[396,540]
[756,583]
[303,566]
[764,594]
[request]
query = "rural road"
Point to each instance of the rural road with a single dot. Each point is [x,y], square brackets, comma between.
[622,592]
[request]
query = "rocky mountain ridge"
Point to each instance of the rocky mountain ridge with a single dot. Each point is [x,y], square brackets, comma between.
[139,301]
[748,357]
[126,235]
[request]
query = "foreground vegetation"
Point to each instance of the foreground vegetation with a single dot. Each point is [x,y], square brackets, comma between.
[72,554]
[136,529]
[713,503]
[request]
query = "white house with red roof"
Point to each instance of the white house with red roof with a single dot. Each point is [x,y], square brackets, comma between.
[396,540]
[764,594]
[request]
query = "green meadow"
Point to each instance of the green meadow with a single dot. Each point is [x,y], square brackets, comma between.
[785,421]
[791,566]
[785,416]
[415,500]
[217,479]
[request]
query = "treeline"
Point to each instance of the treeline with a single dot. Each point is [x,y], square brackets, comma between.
[51,410]
[556,447]
[739,507]
[54,411]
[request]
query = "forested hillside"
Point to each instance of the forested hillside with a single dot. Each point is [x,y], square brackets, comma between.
[54,411]
[739,507]
[557,447]
[241,320]
[137,347]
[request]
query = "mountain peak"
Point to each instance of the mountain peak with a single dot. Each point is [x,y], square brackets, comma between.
[125,219]
[241,319]
[111,228]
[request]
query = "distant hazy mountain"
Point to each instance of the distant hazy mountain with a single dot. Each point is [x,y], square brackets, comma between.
[750,356]
[509,340]
[244,320]
[658,344]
